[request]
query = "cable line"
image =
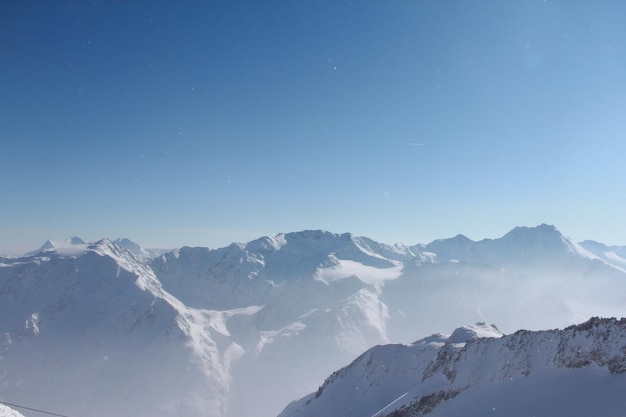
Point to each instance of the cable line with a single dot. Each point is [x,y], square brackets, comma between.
[32,409]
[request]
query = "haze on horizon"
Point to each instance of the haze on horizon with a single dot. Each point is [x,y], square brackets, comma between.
[206,123]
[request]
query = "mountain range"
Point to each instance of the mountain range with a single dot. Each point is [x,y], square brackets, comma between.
[477,371]
[107,328]
[125,243]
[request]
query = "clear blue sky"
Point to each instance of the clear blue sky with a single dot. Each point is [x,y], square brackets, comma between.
[201,123]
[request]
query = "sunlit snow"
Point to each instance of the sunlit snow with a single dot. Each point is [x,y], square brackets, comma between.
[197,330]
[369,274]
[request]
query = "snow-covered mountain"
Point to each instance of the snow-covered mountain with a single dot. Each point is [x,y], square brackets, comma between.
[53,244]
[139,250]
[478,371]
[126,243]
[243,330]
[251,274]
[523,246]
[530,278]
[6,411]
[614,255]
[88,330]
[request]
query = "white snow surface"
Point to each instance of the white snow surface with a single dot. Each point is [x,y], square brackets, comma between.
[580,371]
[614,255]
[93,333]
[6,411]
[345,268]
[243,330]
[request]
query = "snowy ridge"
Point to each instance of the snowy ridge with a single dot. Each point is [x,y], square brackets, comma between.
[522,245]
[77,242]
[203,331]
[100,315]
[613,255]
[450,375]
[253,272]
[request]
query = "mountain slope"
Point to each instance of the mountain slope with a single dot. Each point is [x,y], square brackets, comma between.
[250,274]
[477,370]
[530,278]
[203,331]
[523,246]
[613,255]
[91,323]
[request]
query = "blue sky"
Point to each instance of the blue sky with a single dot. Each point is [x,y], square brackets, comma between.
[203,123]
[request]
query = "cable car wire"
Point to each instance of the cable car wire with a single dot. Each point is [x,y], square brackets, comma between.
[32,409]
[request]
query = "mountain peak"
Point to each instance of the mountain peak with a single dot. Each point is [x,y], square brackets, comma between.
[453,249]
[74,240]
[474,331]
[543,229]
[48,244]
[317,235]
[135,248]
[544,241]
[57,245]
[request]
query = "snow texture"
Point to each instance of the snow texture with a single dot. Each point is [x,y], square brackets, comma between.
[243,330]
[6,411]
[580,371]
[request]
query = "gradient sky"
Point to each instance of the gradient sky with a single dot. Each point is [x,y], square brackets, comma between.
[201,123]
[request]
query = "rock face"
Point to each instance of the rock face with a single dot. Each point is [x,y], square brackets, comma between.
[581,367]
